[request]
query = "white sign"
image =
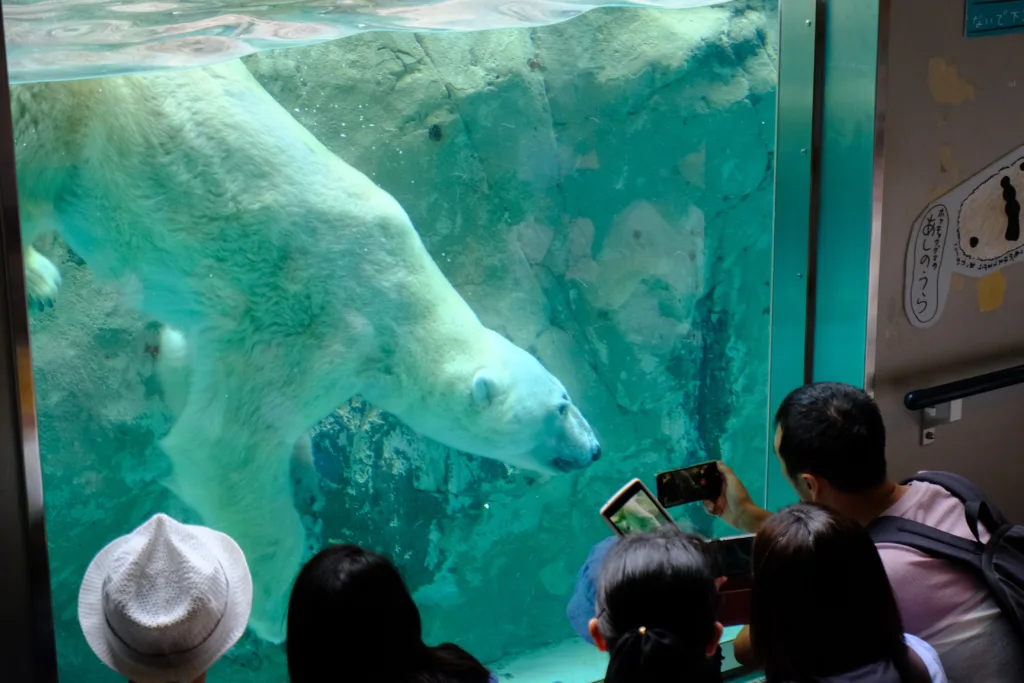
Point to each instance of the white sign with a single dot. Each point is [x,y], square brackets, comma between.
[974,229]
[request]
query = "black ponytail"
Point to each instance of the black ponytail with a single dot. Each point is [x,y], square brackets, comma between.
[656,656]
[656,603]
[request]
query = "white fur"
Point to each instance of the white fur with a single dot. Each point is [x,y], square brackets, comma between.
[42,279]
[296,281]
[173,369]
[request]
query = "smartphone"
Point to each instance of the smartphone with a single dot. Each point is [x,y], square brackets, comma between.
[635,510]
[733,555]
[734,563]
[690,484]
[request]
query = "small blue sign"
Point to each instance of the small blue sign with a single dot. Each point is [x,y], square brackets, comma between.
[992,17]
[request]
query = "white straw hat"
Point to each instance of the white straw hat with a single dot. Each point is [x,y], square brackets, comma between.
[163,603]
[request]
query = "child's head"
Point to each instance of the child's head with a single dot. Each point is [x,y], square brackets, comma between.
[821,604]
[351,605]
[656,603]
[348,600]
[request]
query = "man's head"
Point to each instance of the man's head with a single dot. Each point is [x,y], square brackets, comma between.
[831,440]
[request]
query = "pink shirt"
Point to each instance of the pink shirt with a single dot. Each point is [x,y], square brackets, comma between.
[945,605]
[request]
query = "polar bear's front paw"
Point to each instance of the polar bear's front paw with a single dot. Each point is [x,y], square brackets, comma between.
[42,280]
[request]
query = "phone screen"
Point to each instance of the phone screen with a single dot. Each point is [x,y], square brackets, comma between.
[689,484]
[734,555]
[634,510]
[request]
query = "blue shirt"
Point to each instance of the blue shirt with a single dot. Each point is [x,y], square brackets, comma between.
[580,609]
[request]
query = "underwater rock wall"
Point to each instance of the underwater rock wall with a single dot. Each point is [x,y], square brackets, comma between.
[600,192]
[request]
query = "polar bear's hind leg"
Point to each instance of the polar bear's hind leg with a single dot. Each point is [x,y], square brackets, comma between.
[237,478]
[174,372]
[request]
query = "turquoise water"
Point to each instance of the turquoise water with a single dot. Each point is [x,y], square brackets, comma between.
[599,191]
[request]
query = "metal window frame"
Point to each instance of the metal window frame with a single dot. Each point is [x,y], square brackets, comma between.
[794,241]
[28,651]
[828,208]
[877,185]
[850,216]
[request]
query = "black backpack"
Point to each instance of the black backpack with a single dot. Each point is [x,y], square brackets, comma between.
[1000,562]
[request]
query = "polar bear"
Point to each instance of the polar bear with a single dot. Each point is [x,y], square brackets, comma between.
[293,282]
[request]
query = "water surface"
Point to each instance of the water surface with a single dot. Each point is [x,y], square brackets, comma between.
[51,40]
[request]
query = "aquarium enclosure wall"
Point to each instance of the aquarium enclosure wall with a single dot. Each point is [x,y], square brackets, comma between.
[435,278]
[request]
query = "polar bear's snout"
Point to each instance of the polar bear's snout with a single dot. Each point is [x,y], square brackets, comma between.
[577,447]
[567,465]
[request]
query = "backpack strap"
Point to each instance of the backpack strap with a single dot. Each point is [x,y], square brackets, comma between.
[926,539]
[976,505]
[982,511]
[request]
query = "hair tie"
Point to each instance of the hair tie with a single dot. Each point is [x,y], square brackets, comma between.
[642,630]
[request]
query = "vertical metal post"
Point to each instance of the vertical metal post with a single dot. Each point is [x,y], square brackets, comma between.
[794,244]
[877,185]
[27,650]
[853,32]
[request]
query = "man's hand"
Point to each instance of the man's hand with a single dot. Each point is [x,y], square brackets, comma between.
[734,505]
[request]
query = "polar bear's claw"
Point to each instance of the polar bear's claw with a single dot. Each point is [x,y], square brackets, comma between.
[42,280]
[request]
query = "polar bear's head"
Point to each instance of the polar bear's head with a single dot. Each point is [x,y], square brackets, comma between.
[524,417]
[504,405]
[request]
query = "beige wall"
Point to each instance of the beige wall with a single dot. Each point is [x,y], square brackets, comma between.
[952,106]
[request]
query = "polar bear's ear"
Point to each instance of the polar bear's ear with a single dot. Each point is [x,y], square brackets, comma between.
[484,389]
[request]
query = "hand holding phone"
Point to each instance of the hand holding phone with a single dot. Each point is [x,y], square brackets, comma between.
[734,506]
[690,484]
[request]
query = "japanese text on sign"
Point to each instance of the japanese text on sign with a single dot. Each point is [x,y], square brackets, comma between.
[928,249]
[991,17]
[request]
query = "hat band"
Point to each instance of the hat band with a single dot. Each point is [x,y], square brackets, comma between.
[177,653]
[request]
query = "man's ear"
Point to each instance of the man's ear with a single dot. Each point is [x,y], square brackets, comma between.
[811,486]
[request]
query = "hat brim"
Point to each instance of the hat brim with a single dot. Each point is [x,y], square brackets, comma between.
[186,666]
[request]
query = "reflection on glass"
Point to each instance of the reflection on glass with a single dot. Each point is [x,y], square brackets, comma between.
[296,297]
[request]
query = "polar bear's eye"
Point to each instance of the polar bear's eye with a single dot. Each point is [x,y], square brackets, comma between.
[563,409]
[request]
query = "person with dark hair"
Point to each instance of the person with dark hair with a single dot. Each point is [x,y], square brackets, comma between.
[822,608]
[830,440]
[351,605]
[656,600]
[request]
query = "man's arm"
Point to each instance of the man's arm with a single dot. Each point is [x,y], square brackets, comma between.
[735,506]
[743,649]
